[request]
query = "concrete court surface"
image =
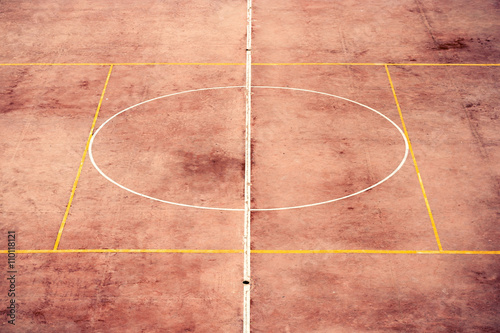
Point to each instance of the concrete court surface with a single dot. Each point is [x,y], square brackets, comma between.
[372,161]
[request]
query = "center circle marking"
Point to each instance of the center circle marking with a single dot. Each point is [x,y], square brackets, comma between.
[403,160]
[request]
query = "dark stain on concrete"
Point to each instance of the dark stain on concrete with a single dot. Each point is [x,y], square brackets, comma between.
[216,165]
[252,151]
[12,100]
[458,43]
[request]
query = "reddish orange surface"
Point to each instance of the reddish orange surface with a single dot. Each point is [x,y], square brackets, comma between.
[306,148]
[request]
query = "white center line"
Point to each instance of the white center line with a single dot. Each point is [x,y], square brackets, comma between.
[248,174]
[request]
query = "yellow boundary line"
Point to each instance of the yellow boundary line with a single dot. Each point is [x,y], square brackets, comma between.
[360,64]
[239,64]
[372,252]
[252,251]
[128,64]
[63,223]
[414,161]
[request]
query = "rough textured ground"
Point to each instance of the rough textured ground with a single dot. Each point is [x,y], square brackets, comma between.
[306,148]
[185,148]
[120,292]
[461,162]
[46,117]
[376,31]
[375,293]
[129,31]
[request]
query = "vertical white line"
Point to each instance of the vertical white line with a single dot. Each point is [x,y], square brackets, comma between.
[248,174]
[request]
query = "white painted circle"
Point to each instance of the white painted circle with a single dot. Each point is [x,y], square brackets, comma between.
[403,160]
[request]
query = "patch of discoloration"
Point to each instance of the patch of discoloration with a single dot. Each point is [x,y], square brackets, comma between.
[216,165]
[452,117]
[10,99]
[458,43]
[376,293]
[252,151]
[112,293]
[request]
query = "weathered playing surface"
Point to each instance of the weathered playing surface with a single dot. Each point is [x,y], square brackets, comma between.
[373,152]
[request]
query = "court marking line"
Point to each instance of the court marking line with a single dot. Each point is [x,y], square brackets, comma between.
[436,235]
[128,64]
[363,64]
[75,183]
[125,251]
[372,252]
[248,174]
[424,64]
[181,64]
[461,252]
[318,64]
[248,153]
[242,64]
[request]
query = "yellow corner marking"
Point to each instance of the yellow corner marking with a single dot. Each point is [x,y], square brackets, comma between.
[253,251]
[414,161]
[68,206]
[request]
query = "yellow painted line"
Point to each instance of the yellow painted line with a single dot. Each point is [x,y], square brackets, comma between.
[470,252]
[423,64]
[371,252]
[359,64]
[182,64]
[68,206]
[128,64]
[127,251]
[253,251]
[336,251]
[315,64]
[55,64]
[414,161]
[238,64]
